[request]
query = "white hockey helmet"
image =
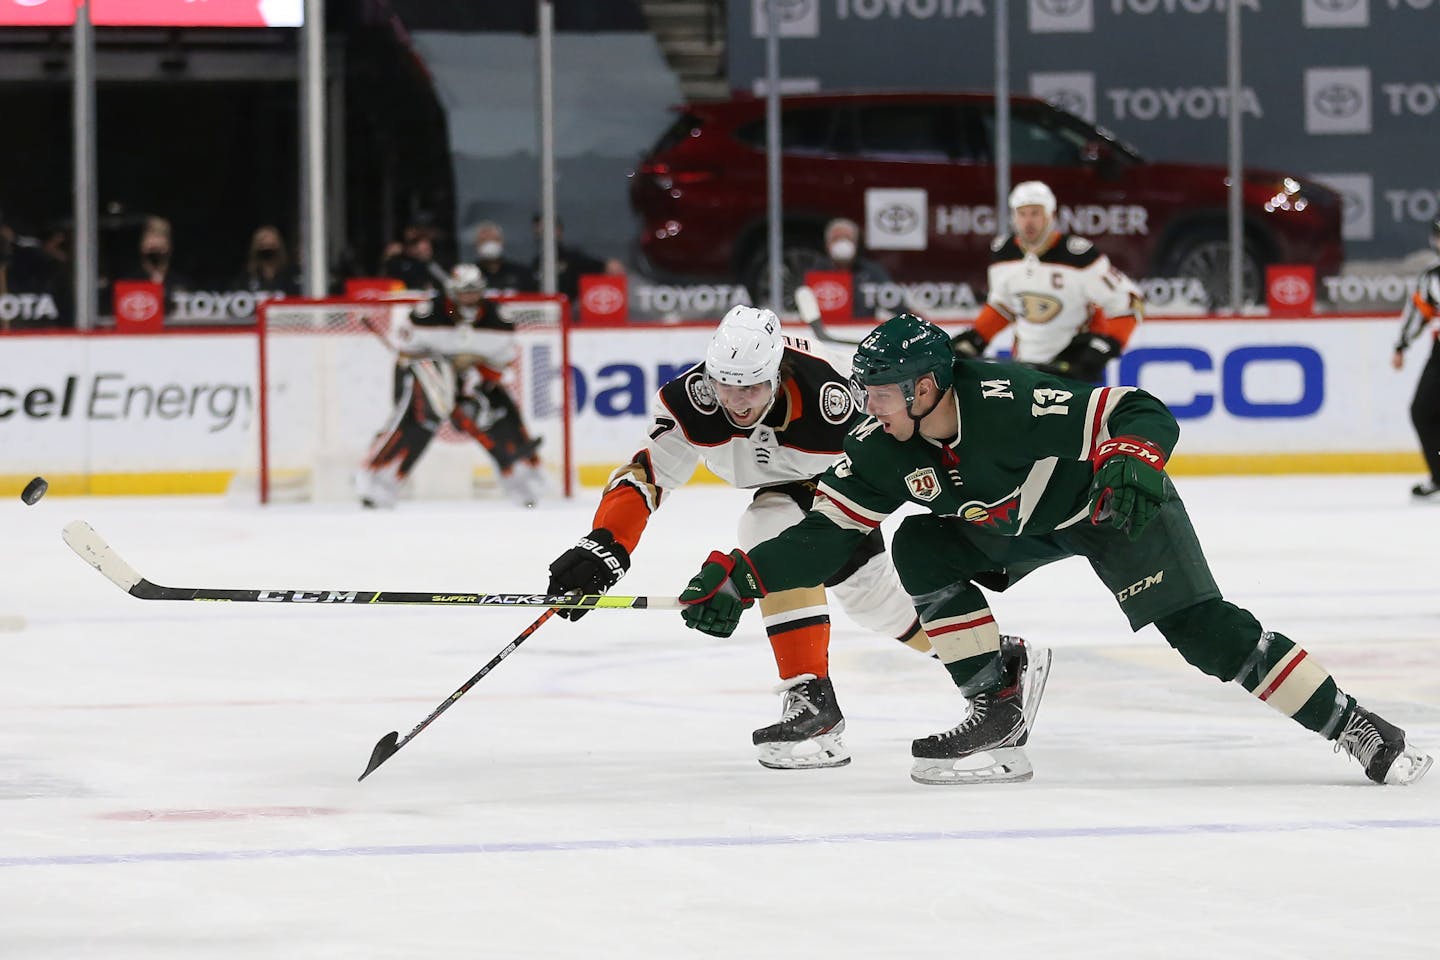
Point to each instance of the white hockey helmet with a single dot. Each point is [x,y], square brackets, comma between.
[746,348]
[467,278]
[1034,192]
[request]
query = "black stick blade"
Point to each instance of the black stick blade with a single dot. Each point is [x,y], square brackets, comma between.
[383,751]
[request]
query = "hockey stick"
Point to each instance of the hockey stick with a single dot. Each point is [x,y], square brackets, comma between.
[809,308]
[93,549]
[391,742]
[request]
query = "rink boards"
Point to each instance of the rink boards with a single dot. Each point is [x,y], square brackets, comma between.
[175,413]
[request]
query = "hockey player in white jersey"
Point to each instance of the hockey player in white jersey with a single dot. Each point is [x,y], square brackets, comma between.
[1072,310]
[765,414]
[452,360]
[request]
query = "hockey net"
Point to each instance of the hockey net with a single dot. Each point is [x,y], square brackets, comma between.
[325,389]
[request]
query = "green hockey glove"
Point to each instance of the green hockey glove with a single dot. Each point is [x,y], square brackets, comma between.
[1129,486]
[725,586]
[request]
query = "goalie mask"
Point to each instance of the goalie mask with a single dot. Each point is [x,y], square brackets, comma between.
[743,355]
[466,278]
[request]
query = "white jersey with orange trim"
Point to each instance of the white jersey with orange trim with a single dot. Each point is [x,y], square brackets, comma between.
[1051,294]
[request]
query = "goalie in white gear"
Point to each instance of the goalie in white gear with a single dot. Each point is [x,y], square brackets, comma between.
[765,414]
[451,363]
[1073,311]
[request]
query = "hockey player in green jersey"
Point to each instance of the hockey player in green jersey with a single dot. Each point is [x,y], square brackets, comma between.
[1018,468]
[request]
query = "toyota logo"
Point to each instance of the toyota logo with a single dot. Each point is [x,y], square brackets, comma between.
[138,305]
[1059,8]
[1335,6]
[1068,100]
[1289,290]
[602,299]
[30,3]
[897,219]
[1352,205]
[788,11]
[1338,100]
[831,295]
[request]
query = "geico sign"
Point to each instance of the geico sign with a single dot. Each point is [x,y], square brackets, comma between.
[220,304]
[1116,219]
[914,9]
[1420,205]
[1176,103]
[1416,98]
[31,307]
[1231,391]
[1354,289]
[1176,6]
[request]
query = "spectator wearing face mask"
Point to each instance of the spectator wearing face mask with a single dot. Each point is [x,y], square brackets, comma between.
[157,258]
[268,266]
[842,246]
[501,276]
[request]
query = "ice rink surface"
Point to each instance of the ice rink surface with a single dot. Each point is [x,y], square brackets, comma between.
[178,780]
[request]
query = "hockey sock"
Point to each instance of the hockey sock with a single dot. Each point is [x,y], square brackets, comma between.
[963,632]
[917,638]
[1287,678]
[798,623]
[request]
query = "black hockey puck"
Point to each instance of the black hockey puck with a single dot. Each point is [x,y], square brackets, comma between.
[34,490]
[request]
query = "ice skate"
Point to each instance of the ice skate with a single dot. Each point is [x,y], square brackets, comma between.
[987,746]
[808,734]
[1426,491]
[378,489]
[524,484]
[1381,749]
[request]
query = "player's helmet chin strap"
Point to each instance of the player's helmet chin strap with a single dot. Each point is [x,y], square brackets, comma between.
[910,407]
[774,392]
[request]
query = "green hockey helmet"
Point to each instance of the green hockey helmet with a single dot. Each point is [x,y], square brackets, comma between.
[902,350]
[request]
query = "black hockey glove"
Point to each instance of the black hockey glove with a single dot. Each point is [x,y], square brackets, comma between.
[593,565]
[1084,357]
[968,344]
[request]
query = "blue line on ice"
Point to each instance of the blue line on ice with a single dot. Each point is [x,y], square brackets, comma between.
[672,843]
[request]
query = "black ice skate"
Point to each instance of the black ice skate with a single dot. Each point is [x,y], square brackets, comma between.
[808,734]
[1426,491]
[987,746]
[1381,749]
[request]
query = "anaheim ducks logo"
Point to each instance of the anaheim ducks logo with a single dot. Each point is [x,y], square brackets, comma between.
[1000,515]
[1039,307]
[836,403]
[702,398]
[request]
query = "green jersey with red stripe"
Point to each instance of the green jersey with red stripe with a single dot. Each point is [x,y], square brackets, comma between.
[1019,466]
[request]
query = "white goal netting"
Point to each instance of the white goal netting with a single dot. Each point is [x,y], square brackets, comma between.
[325,388]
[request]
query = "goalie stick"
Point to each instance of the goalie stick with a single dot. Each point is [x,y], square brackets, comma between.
[389,744]
[92,548]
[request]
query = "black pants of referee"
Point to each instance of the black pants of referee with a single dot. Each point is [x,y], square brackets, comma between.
[1425,412]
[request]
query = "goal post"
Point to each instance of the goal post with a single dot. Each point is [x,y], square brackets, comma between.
[326,387]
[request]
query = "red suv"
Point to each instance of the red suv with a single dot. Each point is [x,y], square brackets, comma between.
[701,192]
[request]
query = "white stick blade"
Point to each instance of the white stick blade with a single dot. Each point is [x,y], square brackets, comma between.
[806,303]
[92,548]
